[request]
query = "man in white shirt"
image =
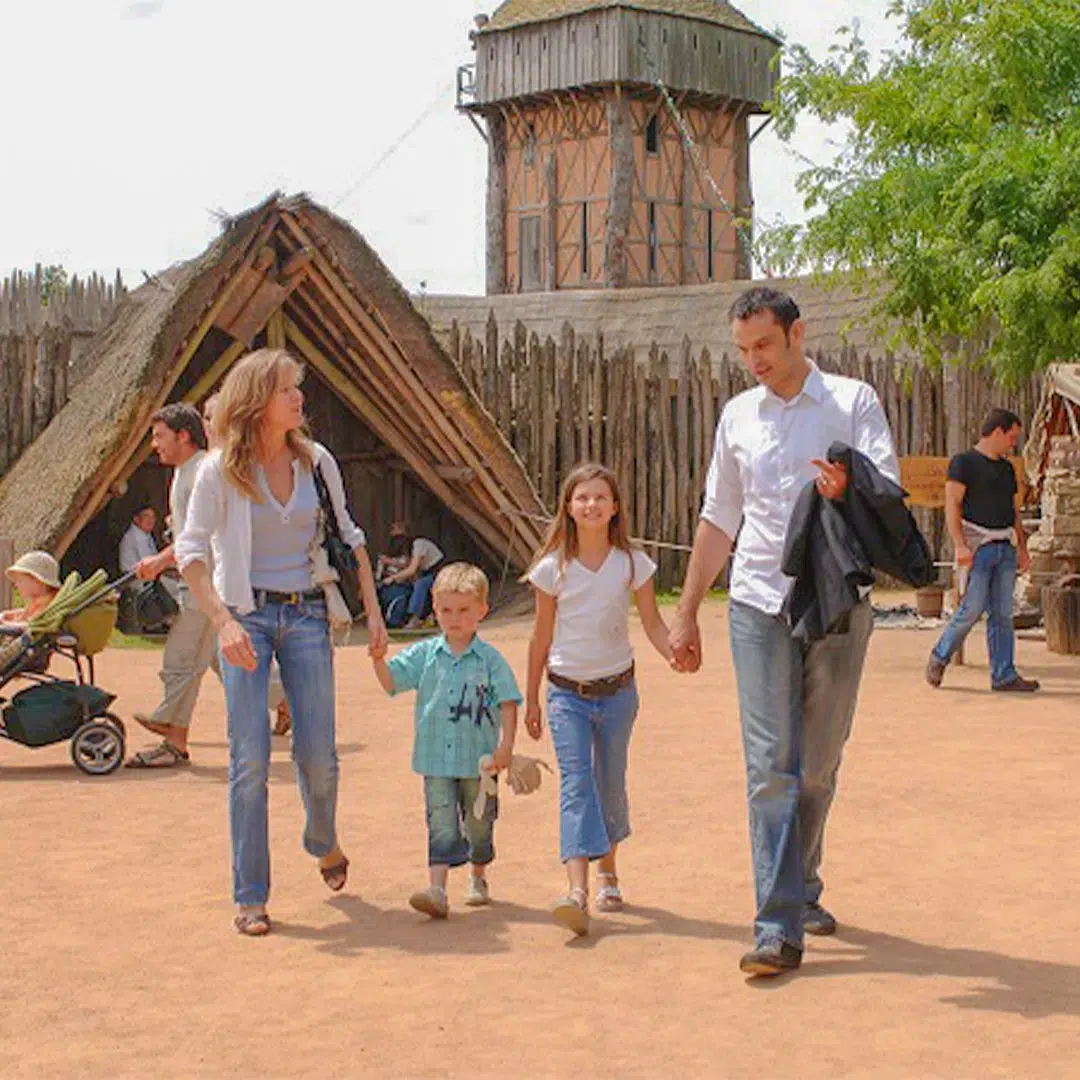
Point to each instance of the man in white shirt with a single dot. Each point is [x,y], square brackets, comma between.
[138,542]
[796,705]
[179,439]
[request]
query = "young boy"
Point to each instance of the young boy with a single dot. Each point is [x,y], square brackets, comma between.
[466,707]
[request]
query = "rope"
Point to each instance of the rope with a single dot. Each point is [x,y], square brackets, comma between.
[695,153]
[396,145]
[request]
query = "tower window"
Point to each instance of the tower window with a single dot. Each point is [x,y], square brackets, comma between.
[584,239]
[652,135]
[695,41]
[653,242]
[710,259]
[530,146]
[720,47]
[529,254]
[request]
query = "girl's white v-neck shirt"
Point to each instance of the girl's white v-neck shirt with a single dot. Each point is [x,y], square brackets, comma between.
[592,612]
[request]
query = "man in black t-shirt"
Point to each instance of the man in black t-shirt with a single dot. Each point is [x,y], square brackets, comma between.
[984,523]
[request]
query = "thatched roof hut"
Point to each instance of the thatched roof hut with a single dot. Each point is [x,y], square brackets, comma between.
[287,273]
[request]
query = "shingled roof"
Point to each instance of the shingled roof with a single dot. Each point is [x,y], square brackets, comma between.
[522,12]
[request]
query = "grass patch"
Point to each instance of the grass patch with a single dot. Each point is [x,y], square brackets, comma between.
[670,597]
[119,640]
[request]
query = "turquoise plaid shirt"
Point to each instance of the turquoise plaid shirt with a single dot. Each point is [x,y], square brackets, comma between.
[458,718]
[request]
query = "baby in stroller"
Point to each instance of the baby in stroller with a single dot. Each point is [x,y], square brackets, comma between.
[74,622]
[36,576]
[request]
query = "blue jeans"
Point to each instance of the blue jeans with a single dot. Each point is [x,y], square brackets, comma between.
[419,602]
[990,589]
[299,636]
[796,706]
[591,737]
[455,835]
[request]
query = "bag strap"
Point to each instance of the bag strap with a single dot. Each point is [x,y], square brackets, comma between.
[326,502]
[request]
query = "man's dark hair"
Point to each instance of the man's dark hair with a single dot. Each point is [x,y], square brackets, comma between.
[999,418]
[142,510]
[179,417]
[762,298]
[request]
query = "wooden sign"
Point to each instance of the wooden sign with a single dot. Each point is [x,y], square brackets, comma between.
[924,479]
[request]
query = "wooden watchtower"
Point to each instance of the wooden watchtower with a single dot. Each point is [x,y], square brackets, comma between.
[591,183]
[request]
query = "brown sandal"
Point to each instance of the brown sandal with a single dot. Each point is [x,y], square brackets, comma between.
[252,923]
[162,756]
[335,876]
[283,719]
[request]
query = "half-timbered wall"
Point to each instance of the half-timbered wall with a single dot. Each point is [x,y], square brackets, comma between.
[559,175]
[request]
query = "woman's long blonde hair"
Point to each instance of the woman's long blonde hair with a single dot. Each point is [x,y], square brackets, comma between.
[562,536]
[238,416]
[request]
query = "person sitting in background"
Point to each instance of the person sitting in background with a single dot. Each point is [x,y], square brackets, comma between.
[36,577]
[138,542]
[425,561]
[394,596]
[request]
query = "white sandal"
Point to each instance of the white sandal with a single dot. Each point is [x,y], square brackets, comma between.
[572,911]
[609,897]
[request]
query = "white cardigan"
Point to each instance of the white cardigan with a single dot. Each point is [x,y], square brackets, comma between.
[217,531]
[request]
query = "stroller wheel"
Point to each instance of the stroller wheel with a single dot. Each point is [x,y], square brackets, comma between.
[116,722]
[97,748]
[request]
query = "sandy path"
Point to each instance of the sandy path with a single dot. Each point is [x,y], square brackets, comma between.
[952,863]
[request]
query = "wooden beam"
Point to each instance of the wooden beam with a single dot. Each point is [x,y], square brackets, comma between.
[275,330]
[389,355]
[209,380]
[385,430]
[148,406]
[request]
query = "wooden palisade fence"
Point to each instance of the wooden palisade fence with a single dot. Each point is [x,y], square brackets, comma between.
[41,339]
[652,417]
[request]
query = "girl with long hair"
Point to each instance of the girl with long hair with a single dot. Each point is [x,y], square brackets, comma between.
[585,575]
[256,508]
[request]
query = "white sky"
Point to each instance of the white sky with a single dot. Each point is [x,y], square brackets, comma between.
[128,121]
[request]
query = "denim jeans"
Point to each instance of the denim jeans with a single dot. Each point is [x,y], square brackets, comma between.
[455,835]
[591,737]
[419,602]
[796,706]
[299,636]
[990,589]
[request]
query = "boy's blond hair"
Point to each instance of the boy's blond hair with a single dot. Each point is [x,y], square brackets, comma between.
[462,577]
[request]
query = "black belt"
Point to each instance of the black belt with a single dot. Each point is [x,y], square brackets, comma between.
[268,596]
[594,688]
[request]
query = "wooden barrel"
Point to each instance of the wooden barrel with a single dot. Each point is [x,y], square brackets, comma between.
[1061,614]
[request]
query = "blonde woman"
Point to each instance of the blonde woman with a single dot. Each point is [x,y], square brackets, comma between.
[255,504]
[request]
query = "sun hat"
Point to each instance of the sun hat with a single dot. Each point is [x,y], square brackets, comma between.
[37,564]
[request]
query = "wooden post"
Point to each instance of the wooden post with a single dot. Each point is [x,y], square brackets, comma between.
[275,330]
[564,380]
[1061,611]
[550,428]
[744,198]
[551,181]
[496,203]
[7,557]
[688,271]
[620,201]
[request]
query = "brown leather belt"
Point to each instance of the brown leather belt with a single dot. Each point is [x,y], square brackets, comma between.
[594,688]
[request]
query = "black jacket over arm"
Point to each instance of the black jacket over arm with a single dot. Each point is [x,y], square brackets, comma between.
[833,546]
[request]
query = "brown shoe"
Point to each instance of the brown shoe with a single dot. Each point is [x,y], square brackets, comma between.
[283,721]
[1018,686]
[935,670]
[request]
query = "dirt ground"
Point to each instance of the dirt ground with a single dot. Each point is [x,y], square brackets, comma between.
[953,864]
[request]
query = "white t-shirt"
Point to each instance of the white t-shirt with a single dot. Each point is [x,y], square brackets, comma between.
[427,552]
[592,617]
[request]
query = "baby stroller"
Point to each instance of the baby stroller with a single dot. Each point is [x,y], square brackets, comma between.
[76,626]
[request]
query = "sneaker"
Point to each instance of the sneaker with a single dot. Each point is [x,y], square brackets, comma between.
[477,894]
[432,901]
[935,670]
[772,958]
[818,921]
[1018,686]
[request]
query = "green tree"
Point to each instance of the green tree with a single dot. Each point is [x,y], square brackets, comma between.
[957,185]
